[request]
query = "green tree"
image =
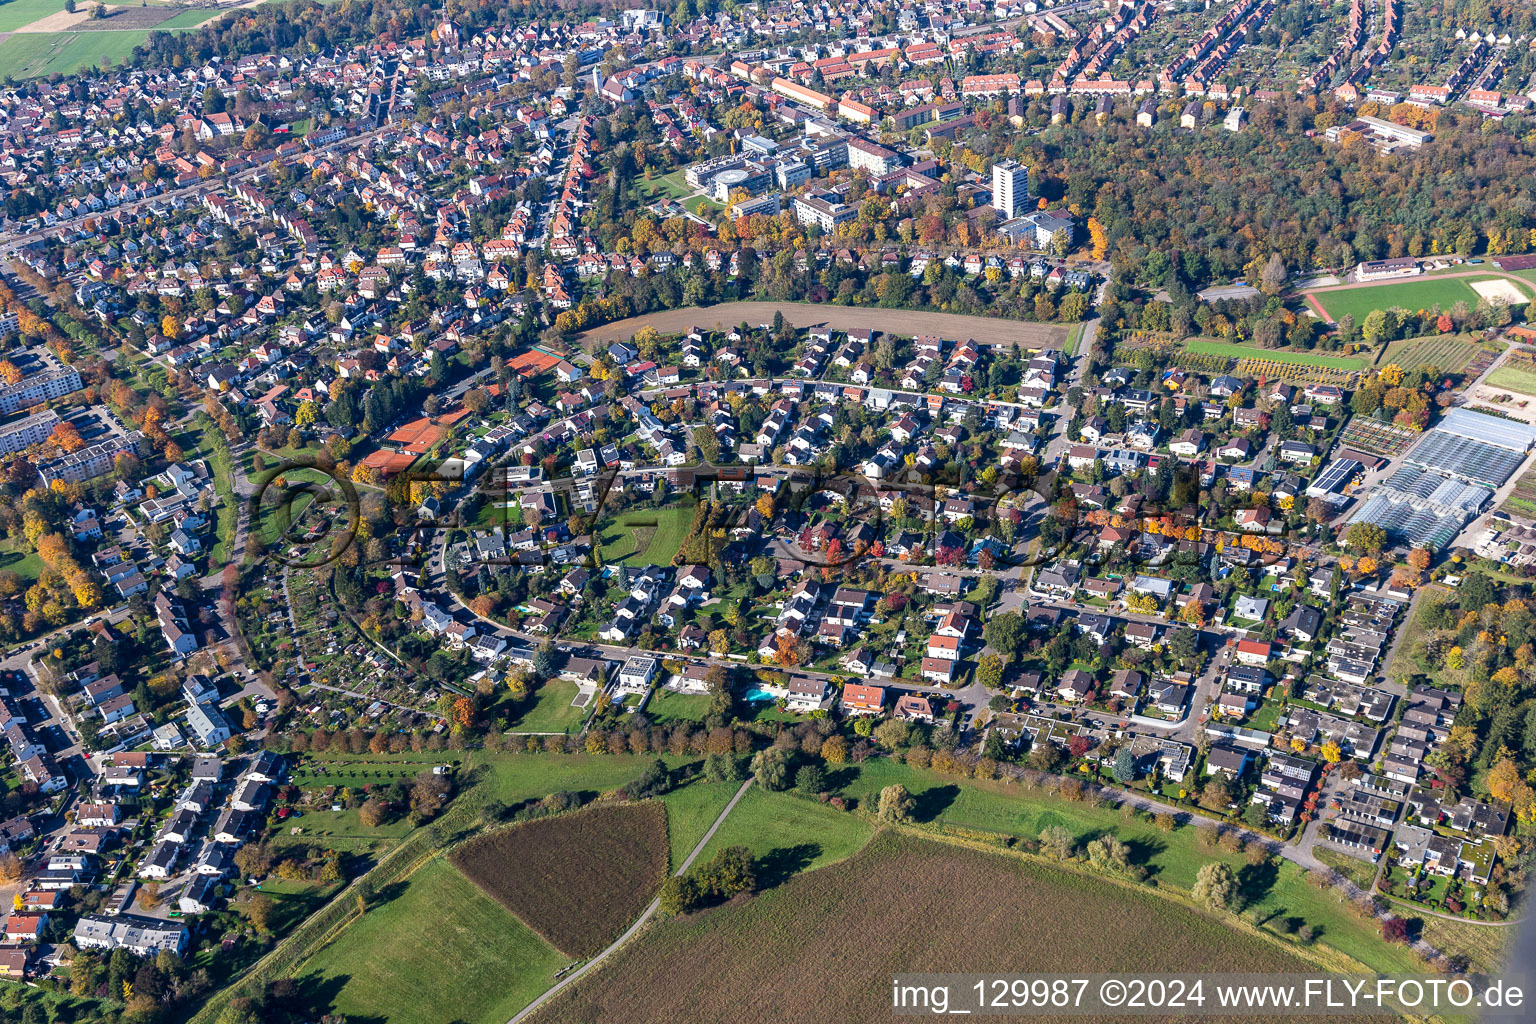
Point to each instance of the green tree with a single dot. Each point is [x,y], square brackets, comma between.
[1216,887]
[1057,841]
[1366,538]
[896,805]
[1125,765]
[811,779]
[1006,633]
[771,768]
[1107,853]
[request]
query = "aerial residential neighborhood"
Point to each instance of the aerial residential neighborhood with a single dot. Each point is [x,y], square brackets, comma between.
[541,490]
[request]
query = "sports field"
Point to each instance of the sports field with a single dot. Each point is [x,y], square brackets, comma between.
[1233,351]
[1419,293]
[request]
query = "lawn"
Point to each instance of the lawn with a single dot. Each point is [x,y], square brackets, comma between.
[666,706]
[342,830]
[1279,355]
[646,536]
[1361,872]
[1074,336]
[439,944]
[790,833]
[190,19]
[512,778]
[551,709]
[579,879]
[823,946]
[16,557]
[701,205]
[1423,293]
[228,513]
[665,185]
[32,55]
[1264,716]
[691,809]
[1513,378]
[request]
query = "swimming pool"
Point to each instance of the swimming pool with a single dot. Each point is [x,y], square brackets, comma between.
[757,695]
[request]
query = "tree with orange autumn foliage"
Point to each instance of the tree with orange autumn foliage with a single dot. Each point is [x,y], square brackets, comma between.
[67,437]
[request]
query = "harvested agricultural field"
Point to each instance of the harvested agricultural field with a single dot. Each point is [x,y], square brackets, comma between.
[577,880]
[905,322]
[823,945]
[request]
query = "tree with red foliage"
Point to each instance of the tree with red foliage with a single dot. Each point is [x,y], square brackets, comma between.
[1077,746]
[1394,929]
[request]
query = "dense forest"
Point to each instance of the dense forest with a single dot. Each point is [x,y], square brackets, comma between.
[1212,203]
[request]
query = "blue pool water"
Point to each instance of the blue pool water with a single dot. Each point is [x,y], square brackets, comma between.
[757,695]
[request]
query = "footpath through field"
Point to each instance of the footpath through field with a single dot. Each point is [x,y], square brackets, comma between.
[633,929]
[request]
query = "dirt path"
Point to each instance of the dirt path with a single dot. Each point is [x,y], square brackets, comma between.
[985,330]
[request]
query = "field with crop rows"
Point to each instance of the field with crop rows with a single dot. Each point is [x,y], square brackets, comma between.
[577,880]
[1377,438]
[822,946]
[1448,353]
[1286,356]
[1518,373]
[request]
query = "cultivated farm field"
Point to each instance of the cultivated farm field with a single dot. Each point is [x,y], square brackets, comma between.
[576,879]
[1317,359]
[906,322]
[31,55]
[822,946]
[1517,374]
[1448,353]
